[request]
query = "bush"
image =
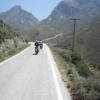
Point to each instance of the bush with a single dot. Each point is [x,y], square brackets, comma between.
[80,64]
[26,41]
[66,55]
[82,84]
[88,89]
[98,67]
[11,52]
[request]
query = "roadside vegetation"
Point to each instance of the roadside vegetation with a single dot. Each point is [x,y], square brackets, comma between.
[10,42]
[82,80]
[12,52]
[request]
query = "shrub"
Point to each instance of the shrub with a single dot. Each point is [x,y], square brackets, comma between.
[80,64]
[98,67]
[11,52]
[26,41]
[88,89]
[66,55]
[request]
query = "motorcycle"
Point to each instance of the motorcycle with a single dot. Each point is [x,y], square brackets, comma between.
[36,50]
[41,46]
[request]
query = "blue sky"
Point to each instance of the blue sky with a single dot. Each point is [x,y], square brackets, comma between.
[39,8]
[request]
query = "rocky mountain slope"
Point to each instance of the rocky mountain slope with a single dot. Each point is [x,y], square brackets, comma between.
[9,39]
[19,19]
[86,11]
[88,43]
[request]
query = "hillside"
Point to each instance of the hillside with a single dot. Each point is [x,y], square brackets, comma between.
[9,39]
[88,42]
[41,32]
[88,11]
[19,19]
[6,32]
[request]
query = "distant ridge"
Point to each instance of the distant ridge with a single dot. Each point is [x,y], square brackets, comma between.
[19,19]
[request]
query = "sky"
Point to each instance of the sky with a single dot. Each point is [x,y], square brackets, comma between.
[39,8]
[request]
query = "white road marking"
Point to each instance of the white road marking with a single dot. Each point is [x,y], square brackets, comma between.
[13,75]
[60,97]
[9,59]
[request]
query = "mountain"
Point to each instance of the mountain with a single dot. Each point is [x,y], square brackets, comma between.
[85,10]
[59,16]
[19,19]
[87,31]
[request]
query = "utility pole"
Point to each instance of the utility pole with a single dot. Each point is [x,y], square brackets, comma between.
[74,33]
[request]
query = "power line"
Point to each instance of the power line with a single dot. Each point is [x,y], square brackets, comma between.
[74,33]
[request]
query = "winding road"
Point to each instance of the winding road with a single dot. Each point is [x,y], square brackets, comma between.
[31,77]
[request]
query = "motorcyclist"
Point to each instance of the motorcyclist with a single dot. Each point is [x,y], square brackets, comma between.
[41,44]
[36,47]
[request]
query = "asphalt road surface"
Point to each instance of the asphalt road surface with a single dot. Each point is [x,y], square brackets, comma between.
[31,77]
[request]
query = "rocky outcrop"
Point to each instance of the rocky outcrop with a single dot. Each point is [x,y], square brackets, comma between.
[10,44]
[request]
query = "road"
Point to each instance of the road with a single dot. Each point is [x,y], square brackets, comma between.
[31,77]
[52,38]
